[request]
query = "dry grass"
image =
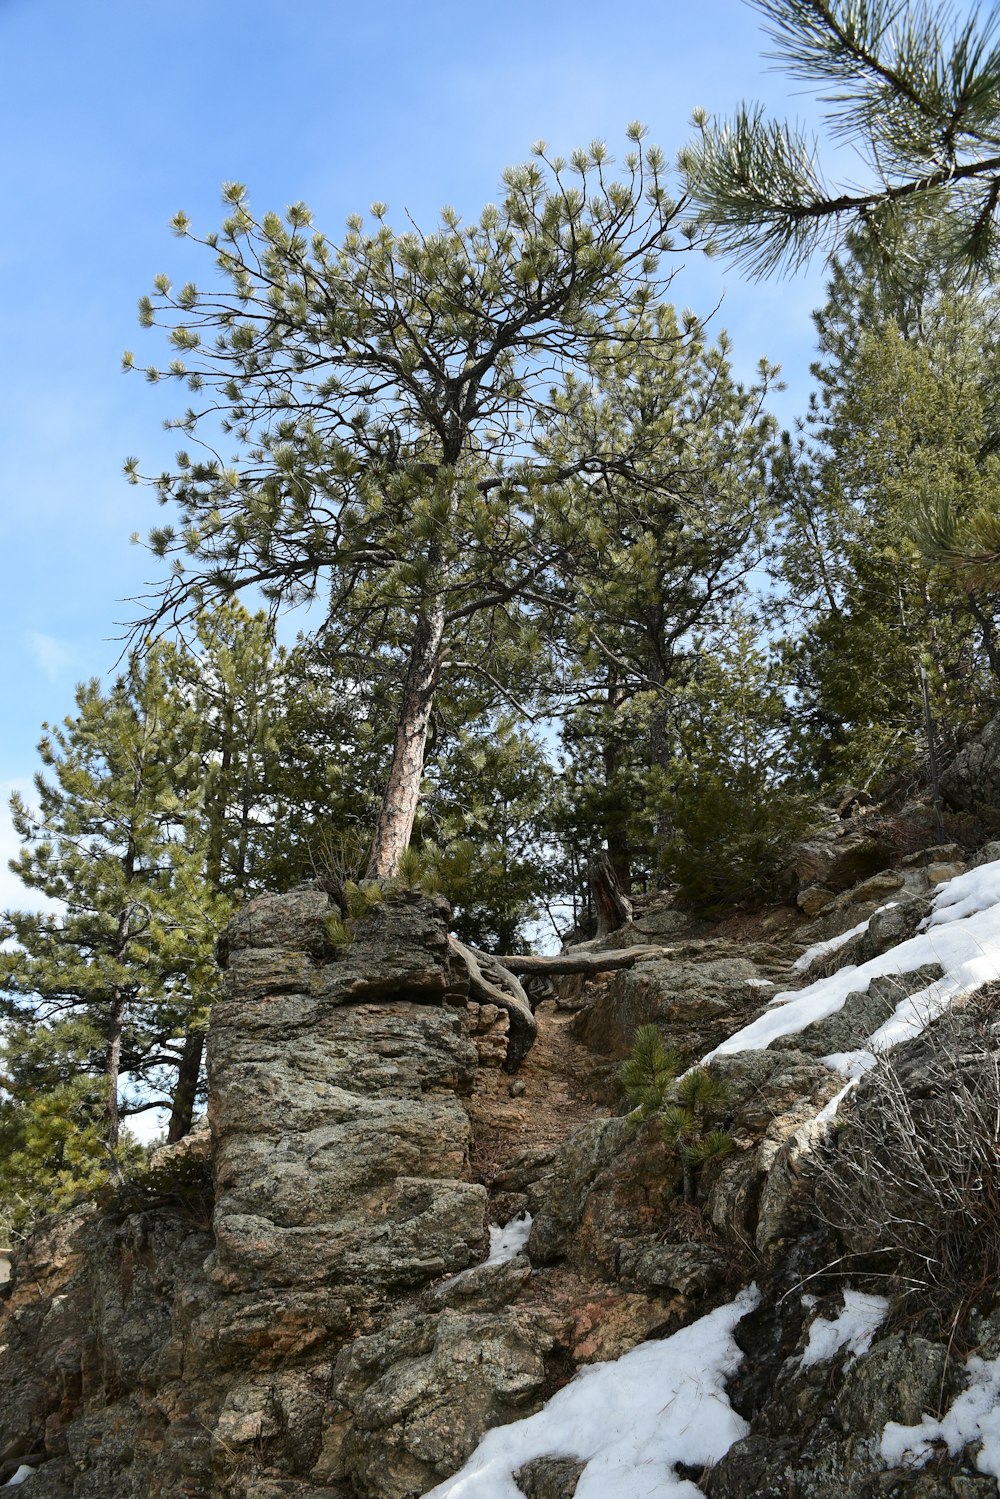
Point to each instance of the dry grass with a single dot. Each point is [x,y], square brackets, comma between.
[913,1190]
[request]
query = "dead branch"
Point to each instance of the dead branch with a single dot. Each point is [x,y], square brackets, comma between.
[579,962]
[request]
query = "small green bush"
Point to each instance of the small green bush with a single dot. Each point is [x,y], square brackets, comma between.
[689,1107]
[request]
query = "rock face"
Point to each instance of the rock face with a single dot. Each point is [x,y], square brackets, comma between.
[299,1304]
[972,780]
[340,1138]
[151,1354]
[695,997]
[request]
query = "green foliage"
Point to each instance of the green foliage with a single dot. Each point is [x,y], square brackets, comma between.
[183,1183]
[915,86]
[146,828]
[688,1107]
[415,871]
[340,933]
[727,800]
[53,1138]
[378,393]
[904,430]
[657,553]
[688,1124]
[361,900]
[650,1072]
[485,826]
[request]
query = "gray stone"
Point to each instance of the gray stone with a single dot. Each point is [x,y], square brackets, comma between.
[899,1379]
[878,888]
[885,929]
[840,860]
[422,1393]
[694,999]
[972,781]
[340,1138]
[988,854]
[688,1269]
[860,1015]
[814,899]
[485,1287]
[549,1477]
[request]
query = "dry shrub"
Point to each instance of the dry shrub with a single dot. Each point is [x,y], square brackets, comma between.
[913,1189]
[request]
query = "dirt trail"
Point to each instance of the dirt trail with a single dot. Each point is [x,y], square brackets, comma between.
[562,1083]
[555,1090]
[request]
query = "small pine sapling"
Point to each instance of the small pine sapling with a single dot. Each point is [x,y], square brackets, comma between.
[339,933]
[361,900]
[688,1124]
[649,1073]
[414,872]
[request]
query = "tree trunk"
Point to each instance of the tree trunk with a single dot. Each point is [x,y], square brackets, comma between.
[112,1073]
[402,793]
[616,832]
[186,1091]
[611,904]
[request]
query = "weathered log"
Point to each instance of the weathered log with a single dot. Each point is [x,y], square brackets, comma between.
[491,982]
[612,906]
[579,962]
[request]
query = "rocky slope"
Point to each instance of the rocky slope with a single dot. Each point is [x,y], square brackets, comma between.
[301,1300]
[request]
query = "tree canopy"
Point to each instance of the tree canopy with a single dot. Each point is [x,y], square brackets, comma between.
[386,395]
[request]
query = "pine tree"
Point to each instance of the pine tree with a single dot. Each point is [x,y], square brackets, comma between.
[728,799]
[227,768]
[904,426]
[105,980]
[914,85]
[384,394]
[659,552]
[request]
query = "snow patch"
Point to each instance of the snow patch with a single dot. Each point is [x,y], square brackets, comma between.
[23,1473]
[853,1329]
[974,1416]
[962,937]
[631,1421]
[507,1241]
[823,949]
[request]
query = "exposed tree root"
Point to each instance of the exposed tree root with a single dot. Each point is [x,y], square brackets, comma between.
[498,986]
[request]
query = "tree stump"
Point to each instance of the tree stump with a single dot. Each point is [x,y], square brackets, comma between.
[612,906]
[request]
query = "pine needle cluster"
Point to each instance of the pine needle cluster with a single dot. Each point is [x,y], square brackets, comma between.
[689,1106]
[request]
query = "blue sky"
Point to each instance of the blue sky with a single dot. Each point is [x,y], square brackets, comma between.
[115,115]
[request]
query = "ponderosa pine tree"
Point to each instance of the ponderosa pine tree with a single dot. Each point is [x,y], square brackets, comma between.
[385,394]
[108,975]
[226,759]
[914,86]
[731,805]
[904,424]
[660,550]
[154,822]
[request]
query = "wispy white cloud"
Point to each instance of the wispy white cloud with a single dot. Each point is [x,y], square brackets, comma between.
[52,655]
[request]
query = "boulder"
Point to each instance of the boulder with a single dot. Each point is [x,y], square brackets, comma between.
[421,1394]
[695,999]
[838,860]
[972,781]
[860,1015]
[336,1080]
[549,1477]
